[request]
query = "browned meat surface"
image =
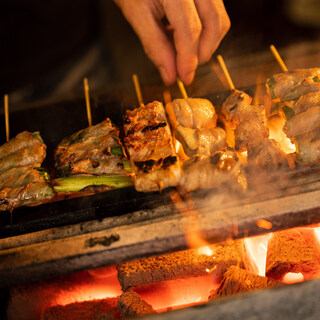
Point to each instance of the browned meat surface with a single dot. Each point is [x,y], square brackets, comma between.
[280,84]
[23,140]
[236,108]
[194,124]
[306,86]
[212,172]
[306,101]
[149,144]
[267,155]
[95,150]
[303,123]
[31,194]
[192,113]
[12,179]
[111,165]
[308,147]
[203,141]
[24,157]
[249,134]
[81,136]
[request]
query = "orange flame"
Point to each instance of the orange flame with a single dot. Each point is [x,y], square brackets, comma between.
[275,125]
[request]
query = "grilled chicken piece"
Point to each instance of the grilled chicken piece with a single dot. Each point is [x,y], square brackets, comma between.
[303,123]
[306,86]
[194,121]
[22,180]
[280,84]
[23,157]
[23,140]
[149,144]
[31,194]
[192,113]
[95,150]
[306,101]
[204,141]
[211,172]
[237,107]
[308,147]
[249,134]
[267,155]
[19,177]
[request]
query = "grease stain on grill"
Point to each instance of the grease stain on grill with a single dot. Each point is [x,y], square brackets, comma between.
[104,241]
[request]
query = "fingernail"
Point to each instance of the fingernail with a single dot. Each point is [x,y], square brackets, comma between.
[188,78]
[165,75]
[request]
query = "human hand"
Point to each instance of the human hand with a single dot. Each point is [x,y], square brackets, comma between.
[198,28]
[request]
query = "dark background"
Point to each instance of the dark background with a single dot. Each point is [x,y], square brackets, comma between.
[48,46]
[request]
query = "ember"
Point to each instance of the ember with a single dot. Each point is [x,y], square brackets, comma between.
[173,281]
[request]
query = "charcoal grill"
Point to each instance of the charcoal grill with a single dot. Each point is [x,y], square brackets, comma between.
[122,225]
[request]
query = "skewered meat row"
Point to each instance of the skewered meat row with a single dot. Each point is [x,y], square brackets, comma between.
[299,93]
[22,180]
[149,143]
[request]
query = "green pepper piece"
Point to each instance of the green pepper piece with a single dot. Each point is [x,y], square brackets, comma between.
[288,112]
[116,151]
[78,183]
[271,83]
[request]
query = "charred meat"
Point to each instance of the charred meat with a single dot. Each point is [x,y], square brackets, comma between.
[149,144]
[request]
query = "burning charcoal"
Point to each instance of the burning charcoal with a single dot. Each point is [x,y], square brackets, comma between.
[105,309]
[237,280]
[296,251]
[130,304]
[183,264]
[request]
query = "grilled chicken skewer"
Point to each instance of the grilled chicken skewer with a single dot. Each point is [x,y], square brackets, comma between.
[22,180]
[95,157]
[149,144]
[249,125]
[299,95]
[210,165]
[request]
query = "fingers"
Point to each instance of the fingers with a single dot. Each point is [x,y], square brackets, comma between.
[145,19]
[215,24]
[186,24]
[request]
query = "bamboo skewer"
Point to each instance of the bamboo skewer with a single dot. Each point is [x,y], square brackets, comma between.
[226,72]
[6,115]
[138,90]
[87,97]
[182,89]
[278,58]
